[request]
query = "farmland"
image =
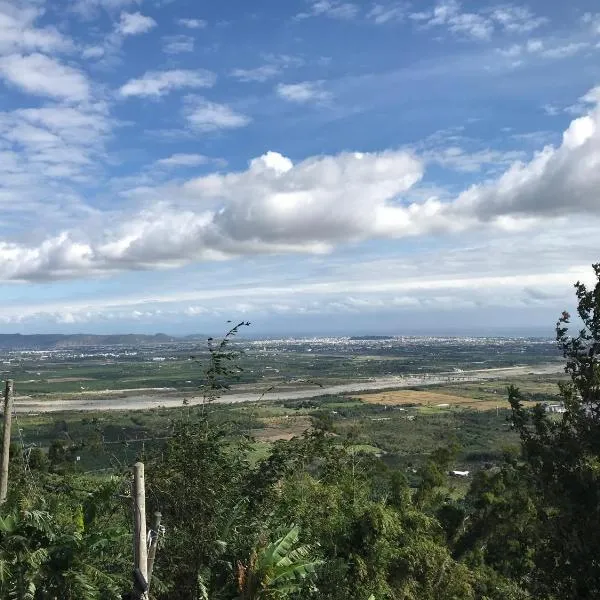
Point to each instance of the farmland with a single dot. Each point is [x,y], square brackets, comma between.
[399,398]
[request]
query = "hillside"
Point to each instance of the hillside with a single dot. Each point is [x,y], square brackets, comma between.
[57,341]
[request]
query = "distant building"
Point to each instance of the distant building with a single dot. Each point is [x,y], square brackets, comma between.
[459,473]
[555,408]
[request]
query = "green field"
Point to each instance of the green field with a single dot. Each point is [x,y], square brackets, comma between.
[403,435]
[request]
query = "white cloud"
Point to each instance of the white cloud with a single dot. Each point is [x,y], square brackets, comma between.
[192,23]
[593,21]
[565,50]
[178,44]
[274,65]
[335,9]
[547,49]
[185,160]
[277,206]
[260,74]
[129,24]
[556,181]
[480,25]
[458,159]
[516,19]
[480,274]
[41,75]
[90,8]
[19,34]
[211,116]
[48,152]
[160,83]
[306,91]
[273,206]
[135,24]
[387,13]
[469,24]
[93,52]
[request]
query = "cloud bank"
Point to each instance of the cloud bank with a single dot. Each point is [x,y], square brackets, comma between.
[276,206]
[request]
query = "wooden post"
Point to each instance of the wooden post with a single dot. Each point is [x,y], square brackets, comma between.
[8,405]
[140,548]
[154,529]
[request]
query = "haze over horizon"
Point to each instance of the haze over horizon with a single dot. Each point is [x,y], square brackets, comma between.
[166,166]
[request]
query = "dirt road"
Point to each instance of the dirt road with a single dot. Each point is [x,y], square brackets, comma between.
[141,401]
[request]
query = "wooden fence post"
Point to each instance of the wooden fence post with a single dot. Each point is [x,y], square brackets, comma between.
[140,548]
[8,406]
[154,529]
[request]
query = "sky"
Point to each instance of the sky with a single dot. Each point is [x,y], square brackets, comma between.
[311,166]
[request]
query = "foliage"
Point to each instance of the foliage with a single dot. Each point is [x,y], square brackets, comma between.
[562,457]
[277,569]
[223,364]
[47,556]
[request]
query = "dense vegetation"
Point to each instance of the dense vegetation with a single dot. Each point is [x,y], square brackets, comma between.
[320,517]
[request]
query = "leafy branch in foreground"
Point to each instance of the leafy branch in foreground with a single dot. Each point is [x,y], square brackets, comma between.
[222,365]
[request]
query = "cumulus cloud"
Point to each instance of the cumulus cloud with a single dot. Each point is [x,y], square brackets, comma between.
[273,206]
[135,24]
[19,33]
[192,23]
[557,180]
[44,76]
[211,116]
[278,206]
[304,92]
[160,83]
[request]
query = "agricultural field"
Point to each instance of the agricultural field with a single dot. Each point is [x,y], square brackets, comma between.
[341,385]
[179,367]
[402,426]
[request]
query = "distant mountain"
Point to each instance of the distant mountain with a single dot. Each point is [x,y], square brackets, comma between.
[58,341]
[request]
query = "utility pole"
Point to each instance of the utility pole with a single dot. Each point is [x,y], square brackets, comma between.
[154,530]
[140,548]
[8,405]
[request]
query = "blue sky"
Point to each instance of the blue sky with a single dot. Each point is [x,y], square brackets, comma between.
[309,165]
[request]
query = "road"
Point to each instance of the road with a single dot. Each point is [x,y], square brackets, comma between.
[142,401]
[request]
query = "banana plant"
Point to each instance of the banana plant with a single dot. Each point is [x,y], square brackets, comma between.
[277,570]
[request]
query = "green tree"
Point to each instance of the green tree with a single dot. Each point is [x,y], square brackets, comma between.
[42,559]
[199,485]
[563,459]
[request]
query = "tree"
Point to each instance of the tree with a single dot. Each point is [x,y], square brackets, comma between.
[562,456]
[41,559]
